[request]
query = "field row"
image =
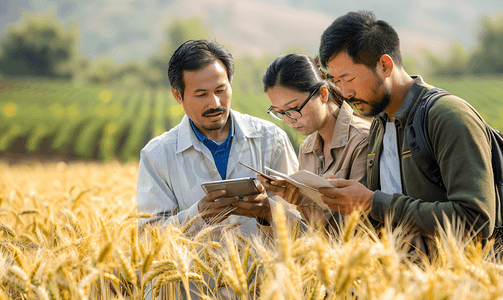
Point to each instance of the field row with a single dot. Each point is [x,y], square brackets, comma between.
[90,122]
[93,122]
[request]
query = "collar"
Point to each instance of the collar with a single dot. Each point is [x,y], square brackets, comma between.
[245,126]
[340,137]
[418,88]
[209,142]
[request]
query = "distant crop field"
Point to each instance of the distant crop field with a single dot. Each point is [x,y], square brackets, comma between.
[68,231]
[485,93]
[100,122]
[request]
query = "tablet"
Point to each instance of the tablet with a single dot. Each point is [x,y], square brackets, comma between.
[235,187]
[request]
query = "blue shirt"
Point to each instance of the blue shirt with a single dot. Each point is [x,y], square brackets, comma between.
[220,152]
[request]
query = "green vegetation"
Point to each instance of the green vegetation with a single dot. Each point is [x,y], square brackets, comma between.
[95,122]
[99,122]
[485,93]
[487,58]
[40,45]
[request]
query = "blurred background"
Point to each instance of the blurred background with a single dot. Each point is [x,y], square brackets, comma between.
[87,80]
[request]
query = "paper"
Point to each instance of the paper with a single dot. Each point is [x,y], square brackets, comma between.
[263,175]
[307,182]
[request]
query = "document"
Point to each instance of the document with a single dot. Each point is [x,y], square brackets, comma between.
[306,181]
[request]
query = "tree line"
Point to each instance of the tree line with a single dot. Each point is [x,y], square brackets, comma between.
[486,58]
[42,46]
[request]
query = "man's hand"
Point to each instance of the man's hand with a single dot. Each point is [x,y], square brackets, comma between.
[277,186]
[282,188]
[254,206]
[347,196]
[216,206]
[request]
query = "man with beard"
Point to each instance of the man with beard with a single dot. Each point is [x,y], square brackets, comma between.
[208,145]
[363,58]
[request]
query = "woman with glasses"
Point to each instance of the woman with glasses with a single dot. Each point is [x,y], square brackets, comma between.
[303,98]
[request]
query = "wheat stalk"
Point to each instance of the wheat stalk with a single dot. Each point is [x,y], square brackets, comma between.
[52,248]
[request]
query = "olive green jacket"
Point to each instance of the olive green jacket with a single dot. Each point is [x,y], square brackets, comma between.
[461,145]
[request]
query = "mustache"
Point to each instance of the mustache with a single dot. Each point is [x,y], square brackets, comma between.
[355,100]
[213,111]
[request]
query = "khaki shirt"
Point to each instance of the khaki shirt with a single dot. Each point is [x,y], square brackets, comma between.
[348,151]
[348,155]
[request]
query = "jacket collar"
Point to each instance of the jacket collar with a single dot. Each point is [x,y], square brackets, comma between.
[416,91]
[340,137]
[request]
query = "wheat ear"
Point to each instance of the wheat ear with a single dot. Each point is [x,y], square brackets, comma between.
[17,255]
[147,262]
[105,252]
[189,224]
[126,267]
[351,223]
[158,268]
[203,266]
[284,240]
[17,278]
[85,283]
[238,267]
[252,270]
[134,245]
[203,233]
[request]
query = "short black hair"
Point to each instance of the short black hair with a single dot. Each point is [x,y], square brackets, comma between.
[362,37]
[194,55]
[298,72]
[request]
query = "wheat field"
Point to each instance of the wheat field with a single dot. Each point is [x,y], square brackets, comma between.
[68,231]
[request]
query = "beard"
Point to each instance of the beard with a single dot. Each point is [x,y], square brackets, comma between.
[379,106]
[218,124]
[376,107]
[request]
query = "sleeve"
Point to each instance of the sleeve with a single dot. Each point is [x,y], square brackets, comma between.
[154,195]
[462,147]
[283,159]
[283,156]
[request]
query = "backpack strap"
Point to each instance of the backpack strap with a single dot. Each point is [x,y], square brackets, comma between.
[418,139]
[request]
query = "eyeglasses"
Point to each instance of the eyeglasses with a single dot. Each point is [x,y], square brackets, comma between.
[293,113]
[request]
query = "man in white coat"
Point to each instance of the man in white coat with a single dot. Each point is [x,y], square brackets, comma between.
[208,145]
